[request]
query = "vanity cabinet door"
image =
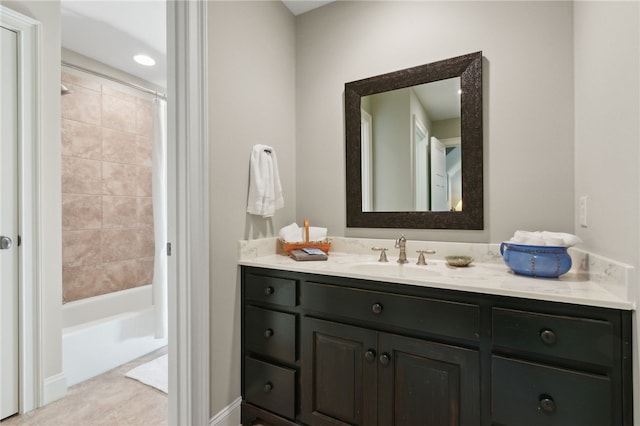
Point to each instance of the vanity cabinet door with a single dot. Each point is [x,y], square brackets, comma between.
[564,337]
[339,374]
[426,383]
[357,376]
[266,289]
[271,334]
[270,386]
[529,394]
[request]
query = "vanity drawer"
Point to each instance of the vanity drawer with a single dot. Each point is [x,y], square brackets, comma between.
[271,333]
[529,394]
[272,290]
[571,338]
[270,387]
[452,319]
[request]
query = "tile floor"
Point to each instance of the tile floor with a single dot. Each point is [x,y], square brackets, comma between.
[110,399]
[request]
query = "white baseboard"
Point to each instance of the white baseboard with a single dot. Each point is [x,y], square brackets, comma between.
[55,387]
[228,416]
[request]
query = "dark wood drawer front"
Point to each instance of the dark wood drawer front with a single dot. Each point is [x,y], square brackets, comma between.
[271,333]
[270,387]
[458,320]
[264,289]
[571,338]
[528,394]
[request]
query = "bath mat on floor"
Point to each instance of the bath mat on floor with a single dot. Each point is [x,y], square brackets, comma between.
[154,373]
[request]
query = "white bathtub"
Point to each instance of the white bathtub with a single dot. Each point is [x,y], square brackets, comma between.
[104,332]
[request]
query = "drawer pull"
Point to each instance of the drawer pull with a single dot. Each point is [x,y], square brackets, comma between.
[376,308]
[548,337]
[268,333]
[385,359]
[267,387]
[370,355]
[268,291]
[547,404]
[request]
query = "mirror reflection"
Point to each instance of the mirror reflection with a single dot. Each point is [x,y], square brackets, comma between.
[412,159]
[411,151]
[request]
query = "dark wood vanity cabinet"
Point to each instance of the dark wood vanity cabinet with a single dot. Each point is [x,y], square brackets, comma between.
[322,350]
[356,376]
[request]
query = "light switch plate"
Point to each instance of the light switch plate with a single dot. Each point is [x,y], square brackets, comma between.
[582,211]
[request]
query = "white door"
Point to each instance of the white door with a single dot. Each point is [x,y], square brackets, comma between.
[439,200]
[8,224]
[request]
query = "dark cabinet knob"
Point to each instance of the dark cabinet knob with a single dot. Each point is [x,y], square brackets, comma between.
[268,291]
[267,387]
[385,359]
[548,337]
[376,308]
[370,355]
[268,333]
[547,404]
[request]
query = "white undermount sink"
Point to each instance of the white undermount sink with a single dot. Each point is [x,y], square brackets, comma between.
[395,269]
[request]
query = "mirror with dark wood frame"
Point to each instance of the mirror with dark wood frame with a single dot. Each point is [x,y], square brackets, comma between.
[360,214]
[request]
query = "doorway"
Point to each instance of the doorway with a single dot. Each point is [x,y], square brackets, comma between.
[189,302]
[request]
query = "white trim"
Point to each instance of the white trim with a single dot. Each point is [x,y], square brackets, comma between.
[33,391]
[366,148]
[229,415]
[188,214]
[54,388]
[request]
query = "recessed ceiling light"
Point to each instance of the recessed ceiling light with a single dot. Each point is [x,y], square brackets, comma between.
[144,60]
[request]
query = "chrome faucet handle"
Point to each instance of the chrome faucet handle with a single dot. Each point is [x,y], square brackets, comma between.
[383,253]
[421,258]
[401,242]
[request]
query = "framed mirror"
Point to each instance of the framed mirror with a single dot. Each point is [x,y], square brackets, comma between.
[414,147]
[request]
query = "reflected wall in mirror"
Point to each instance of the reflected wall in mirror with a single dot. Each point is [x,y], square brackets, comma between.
[414,147]
[415,135]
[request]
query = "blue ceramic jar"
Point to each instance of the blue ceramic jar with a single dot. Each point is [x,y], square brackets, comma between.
[536,261]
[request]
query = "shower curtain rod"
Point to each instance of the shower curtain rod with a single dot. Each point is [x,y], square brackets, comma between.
[116,80]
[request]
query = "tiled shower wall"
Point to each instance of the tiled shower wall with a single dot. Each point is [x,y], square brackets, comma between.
[107,214]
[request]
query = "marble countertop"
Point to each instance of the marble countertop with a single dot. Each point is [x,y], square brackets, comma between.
[592,281]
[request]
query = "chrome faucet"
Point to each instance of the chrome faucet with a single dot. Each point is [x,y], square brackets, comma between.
[401,243]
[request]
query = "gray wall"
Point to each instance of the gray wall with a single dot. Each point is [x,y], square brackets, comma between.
[391,151]
[606,37]
[528,102]
[607,158]
[251,100]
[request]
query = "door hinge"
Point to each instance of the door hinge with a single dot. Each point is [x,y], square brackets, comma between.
[168,249]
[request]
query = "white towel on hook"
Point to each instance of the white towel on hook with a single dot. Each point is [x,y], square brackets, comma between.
[265,190]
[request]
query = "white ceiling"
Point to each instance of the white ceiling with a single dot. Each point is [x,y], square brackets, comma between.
[113,31]
[299,7]
[440,98]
